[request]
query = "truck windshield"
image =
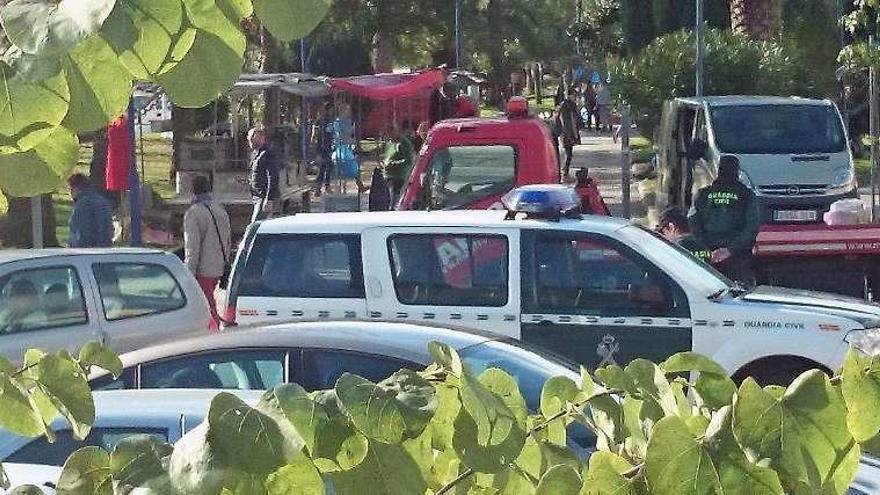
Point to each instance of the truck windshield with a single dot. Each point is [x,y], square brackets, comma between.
[463,174]
[777,129]
[674,260]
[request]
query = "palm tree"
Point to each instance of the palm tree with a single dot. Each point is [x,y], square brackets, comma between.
[758,19]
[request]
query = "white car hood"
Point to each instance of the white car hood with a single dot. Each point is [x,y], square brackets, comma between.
[766,170]
[832,304]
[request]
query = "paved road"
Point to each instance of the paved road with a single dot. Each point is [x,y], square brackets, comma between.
[602,156]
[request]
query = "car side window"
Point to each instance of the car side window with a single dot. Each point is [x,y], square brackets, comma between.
[41,451]
[450,270]
[594,275]
[131,290]
[308,266]
[40,299]
[233,369]
[463,174]
[323,367]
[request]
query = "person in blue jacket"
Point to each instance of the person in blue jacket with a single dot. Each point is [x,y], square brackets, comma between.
[91,223]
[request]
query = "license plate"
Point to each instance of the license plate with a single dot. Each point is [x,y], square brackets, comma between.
[794,215]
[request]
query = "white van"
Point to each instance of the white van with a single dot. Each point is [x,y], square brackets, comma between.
[598,290]
[793,152]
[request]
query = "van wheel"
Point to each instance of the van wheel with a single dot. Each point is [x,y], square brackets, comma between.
[777,370]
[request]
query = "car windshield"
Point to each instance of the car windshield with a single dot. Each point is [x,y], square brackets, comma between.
[775,129]
[529,365]
[675,260]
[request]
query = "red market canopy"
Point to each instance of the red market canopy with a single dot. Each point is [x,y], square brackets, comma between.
[385,87]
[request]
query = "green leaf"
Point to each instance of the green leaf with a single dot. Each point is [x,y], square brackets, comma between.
[65,385]
[143,32]
[614,377]
[290,20]
[246,439]
[207,16]
[487,435]
[138,461]
[385,469]
[45,27]
[42,169]
[193,466]
[448,408]
[338,446]
[714,387]
[559,480]
[684,362]
[803,432]
[300,477]
[17,414]
[30,109]
[605,476]
[4,204]
[861,391]
[557,394]
[100,86]
[608,416]
[676,463]
[97,354]
[87,472]
[446,356]
[653,385]
[304,413]
[236,9]
[398,407]
[209,60]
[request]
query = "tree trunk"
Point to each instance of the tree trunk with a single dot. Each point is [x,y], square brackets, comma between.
[15,229]
[382,53]
[758,19]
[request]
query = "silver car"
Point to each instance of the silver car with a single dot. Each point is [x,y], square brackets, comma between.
[53,299]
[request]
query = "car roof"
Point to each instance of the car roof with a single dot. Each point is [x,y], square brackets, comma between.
[490,219]
[157,403]
[399,340]
[736,100]
[7,256]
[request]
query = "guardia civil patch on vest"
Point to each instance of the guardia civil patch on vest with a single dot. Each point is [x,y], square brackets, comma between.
[723,197]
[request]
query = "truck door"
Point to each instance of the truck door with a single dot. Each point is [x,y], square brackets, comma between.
[457,276]
[596,301]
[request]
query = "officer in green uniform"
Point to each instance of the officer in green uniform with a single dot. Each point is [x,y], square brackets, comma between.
[726,218]
[675,228]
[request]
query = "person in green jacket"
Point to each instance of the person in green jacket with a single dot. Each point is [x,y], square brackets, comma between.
[726,218]
[675,228]
[398,161]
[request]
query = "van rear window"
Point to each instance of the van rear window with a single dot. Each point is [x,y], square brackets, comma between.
[309,266]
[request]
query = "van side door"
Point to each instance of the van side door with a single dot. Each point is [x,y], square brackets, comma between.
[459,276]
[596,301]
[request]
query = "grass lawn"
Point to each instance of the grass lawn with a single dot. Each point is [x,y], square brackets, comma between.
[641,149]
[156,166]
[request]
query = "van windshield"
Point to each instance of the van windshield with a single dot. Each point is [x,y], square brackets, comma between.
[777,129]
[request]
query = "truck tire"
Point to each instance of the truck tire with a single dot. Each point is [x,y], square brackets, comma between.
[776,370]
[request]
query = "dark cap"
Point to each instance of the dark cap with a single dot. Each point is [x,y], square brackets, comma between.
[728,167]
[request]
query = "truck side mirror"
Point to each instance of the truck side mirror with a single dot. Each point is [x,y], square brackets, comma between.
[697,149]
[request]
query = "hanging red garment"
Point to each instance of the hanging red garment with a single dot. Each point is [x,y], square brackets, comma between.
[118,155]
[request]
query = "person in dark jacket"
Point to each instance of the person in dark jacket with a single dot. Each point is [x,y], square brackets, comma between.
[323,136]
[568,127]
[726,218]
[675,228]
[263,178]
[91,223]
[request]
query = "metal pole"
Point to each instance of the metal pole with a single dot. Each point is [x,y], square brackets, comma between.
[37,222]
[698,65]
[134,181]
[458,53]
[625,165]
[578,14]
[874,131]
[304,108]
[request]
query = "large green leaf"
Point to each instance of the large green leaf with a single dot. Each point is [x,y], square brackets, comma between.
[46,27]
[445,356]
[17,414]
[714,387]
[300,477]
[304,413]
[142,33]
[607,476]
[30,108]
[559,480]
[193,467]
[557,394]
[244,438]
[206,15]
[206,70]
[64,383]
[861,391]
[87,472]
[398,407]
[338,446]
[139,461]
[385,469]
[100,86]
[289,20]
[97,354]
[42,169]
[802,431]
[653,385]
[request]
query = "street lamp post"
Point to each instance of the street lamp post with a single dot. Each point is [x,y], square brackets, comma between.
[698,66]
[458,34]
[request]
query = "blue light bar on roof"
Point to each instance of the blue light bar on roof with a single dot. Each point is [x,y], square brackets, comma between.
[544,200]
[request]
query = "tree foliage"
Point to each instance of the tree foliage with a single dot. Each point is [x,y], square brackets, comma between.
[677,428]
[69,65]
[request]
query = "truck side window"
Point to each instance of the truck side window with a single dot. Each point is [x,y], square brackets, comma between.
[591,275]
[464,174]
[449,270]
[304,265]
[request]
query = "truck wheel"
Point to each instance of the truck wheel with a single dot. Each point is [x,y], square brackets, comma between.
[776,370]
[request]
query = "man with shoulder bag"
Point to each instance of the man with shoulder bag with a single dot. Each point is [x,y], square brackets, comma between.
[207,242]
